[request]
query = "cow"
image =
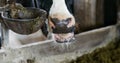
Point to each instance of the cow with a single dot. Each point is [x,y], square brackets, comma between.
[61,22]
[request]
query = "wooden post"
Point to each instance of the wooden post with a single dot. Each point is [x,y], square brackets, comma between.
[4,35]
[99,13]
[85,14]
[4,29]
[88,14]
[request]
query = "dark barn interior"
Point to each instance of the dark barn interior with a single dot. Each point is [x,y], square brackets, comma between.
[110,12]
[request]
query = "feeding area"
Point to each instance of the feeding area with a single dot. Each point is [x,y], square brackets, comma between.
[96,32]
[106,54]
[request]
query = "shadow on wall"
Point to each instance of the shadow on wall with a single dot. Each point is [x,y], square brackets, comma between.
[110,12]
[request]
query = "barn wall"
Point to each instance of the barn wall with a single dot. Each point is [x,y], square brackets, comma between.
[88,14]
[99,13]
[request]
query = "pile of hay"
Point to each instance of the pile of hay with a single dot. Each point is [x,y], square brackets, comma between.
[107,54]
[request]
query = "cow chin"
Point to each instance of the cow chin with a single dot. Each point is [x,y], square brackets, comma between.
[64,38]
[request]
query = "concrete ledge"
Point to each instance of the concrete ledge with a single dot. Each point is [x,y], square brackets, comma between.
[52,52]
[2,54]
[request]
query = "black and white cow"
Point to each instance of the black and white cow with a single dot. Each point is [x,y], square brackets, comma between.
[61,21]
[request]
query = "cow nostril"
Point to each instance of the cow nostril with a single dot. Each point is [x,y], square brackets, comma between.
[61,25]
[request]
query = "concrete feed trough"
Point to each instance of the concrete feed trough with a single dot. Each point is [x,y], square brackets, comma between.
[52,52]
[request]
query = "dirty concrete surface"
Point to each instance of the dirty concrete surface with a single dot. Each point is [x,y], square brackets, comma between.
[51,52]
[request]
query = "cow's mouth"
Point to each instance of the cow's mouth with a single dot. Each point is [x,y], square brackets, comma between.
[64,38]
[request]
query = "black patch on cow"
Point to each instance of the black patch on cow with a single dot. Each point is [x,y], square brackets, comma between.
[61,26]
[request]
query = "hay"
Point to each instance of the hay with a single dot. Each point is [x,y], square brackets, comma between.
[107,54]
